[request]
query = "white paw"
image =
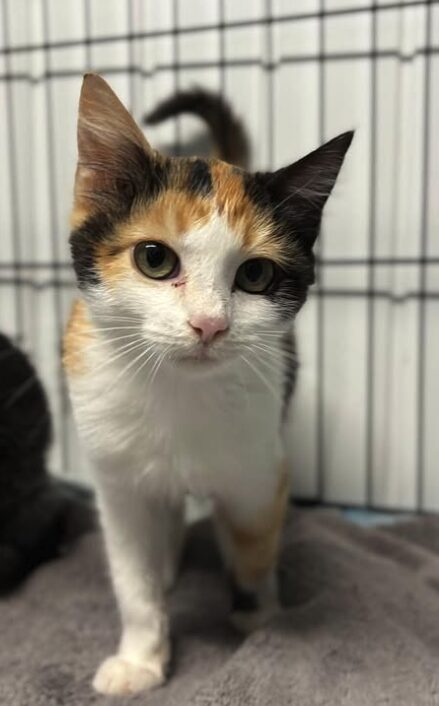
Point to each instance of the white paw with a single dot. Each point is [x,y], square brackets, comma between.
[117,676]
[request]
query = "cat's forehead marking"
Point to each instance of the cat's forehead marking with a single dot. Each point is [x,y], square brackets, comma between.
[199,178]
[198,197]
[245,218]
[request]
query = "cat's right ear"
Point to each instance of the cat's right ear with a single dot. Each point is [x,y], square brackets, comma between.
[113,154]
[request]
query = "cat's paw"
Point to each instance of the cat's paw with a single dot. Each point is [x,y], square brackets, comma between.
[247,622]
[118,676]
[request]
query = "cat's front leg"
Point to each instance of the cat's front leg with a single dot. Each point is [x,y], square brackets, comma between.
[134,528]
[250,538]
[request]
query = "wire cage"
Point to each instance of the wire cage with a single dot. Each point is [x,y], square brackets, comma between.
[298,72]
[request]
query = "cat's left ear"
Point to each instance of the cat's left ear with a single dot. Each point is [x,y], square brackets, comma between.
[299,192]
[113,154]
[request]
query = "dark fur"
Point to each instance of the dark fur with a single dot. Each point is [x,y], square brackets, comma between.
[291,367]
[39,516]
[199,180]
[227,130]
[242,600]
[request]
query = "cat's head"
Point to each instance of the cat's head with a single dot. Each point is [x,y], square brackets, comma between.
[203,259]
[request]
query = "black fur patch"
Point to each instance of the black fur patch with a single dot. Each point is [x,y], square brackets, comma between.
[199,178]
[39,515]
[242,600]
[83,244]
[290,372]
[255,189]
[290,290]
[147,179]
[294,198]
[154,179]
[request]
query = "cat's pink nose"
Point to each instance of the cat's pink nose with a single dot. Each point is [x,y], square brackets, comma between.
[208,327]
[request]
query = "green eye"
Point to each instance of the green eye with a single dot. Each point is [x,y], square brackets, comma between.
[255,276]
[156,260]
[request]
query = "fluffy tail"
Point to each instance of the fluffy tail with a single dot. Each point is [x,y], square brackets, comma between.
[228,132]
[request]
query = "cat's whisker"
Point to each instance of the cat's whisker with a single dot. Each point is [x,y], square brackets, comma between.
[99,345]
[123,351]
[272,349]
[271,368]
[123,372]
[115,328]
[273,365]
[271,337]
[149,356]
[108,343]
[275,349]
[157,365]
[272,344]
[272,352]
[243,386]
[120,319]
[273,358]
[260,375]
[271,334]
[276,343]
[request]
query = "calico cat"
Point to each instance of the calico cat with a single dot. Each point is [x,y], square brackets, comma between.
[39,516]
[178,351]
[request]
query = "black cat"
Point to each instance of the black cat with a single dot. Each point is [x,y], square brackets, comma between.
[39,516]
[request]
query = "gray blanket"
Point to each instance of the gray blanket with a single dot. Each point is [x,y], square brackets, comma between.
[360,627]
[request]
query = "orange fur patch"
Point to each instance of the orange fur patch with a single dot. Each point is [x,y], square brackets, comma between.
[177,211]
[165,219]
[244,217]
[254,549]
[78,333]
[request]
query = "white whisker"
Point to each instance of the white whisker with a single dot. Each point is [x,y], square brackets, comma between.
[110,341]
[115,328]
[158,365]
[122,351]
[131,363]
[257,372]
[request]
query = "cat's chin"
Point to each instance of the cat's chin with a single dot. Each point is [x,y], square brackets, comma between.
[198,362]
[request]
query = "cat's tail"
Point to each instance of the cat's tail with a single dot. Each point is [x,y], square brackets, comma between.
[228,132]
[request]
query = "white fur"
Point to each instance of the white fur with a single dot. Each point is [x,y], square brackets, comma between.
[158,430]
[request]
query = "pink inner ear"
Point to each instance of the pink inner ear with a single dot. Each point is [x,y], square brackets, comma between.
[109,144]
[103,120]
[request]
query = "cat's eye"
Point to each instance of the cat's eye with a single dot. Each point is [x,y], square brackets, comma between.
[255,276]
[156,260]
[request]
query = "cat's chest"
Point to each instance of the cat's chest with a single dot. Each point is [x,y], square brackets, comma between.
[202,421]
[196,434]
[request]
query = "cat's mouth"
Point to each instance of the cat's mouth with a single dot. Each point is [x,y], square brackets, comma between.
[200,356]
